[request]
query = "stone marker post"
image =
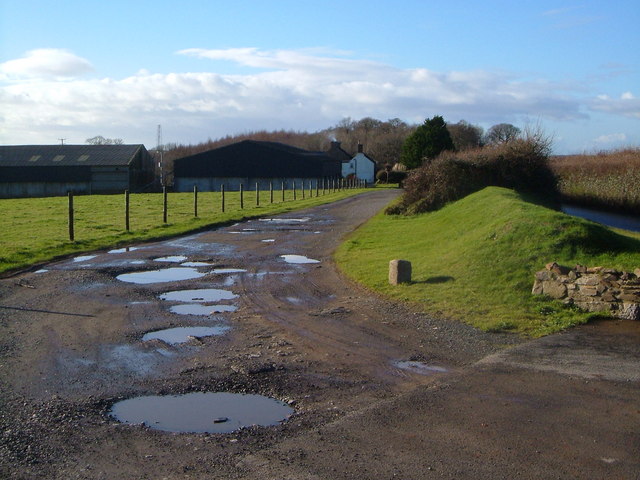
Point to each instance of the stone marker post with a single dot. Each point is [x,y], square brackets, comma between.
[399,272]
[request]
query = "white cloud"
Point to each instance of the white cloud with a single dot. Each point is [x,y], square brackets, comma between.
[611,138]
[627,105]
[296,89]
[45,62]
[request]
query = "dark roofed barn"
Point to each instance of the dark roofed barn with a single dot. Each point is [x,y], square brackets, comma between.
[49,170]
[250,162]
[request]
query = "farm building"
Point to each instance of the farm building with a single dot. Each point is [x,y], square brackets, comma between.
[49,170]
[252,162]
[360,166]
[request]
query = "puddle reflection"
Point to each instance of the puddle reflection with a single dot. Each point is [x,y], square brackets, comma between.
[173,274]
[201,412]
[199,295]
[183,334]
[420,367]
[298,259]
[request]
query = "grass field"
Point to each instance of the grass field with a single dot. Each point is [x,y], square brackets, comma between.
[35,230]
[475,259]
[609,179]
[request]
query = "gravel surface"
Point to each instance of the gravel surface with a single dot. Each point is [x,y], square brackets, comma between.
[378,390]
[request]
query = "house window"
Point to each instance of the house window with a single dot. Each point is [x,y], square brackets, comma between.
[83,158]
[34,158]
[57,158]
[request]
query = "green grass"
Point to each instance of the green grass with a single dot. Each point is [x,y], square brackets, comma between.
[475,259]
[35,230]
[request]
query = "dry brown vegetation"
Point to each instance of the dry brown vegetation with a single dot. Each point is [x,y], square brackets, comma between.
[608,180]
[519,164]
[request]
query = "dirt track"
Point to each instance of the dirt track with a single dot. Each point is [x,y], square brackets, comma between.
[566,406]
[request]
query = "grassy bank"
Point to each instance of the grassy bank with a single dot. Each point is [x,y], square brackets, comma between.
[608,180]
[35,230]
[474,259]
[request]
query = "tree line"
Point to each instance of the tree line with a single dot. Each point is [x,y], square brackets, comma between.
[386,142]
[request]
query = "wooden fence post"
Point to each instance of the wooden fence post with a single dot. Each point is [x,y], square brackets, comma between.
[71,232]
[303,189]
[222,192]
[195,201]
[241,196]
[294,190]
[271,192]
[126,210]
[257,195]
[283,191]
[164,204]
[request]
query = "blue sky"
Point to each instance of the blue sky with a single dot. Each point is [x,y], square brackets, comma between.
[204,69]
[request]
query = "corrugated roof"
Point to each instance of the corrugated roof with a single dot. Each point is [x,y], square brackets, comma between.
[251,158]
[67,155]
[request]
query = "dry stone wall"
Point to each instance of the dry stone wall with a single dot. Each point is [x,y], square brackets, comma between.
[595,289]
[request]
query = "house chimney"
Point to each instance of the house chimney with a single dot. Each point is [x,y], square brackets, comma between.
[360,148]
[335,144]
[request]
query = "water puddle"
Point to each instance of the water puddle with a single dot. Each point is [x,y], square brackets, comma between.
[285,220]
[173,274]
[124,250]
[196,264]
[137,262]
[171,258]
[298,259]
[228,270]
[42,270]
[184,334]
[84,258]
[268,240]
[419,367]
[198,309]
[198,412]
[199,295]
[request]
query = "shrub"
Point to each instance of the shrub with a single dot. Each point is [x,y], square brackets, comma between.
[390,176]
[520,164]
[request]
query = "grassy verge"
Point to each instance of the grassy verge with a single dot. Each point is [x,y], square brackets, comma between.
[475,259]
[35,230]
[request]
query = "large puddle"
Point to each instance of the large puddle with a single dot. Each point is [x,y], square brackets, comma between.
[285,220]
[173,274]
[220,412]
[172,259]
[299,259]
[184,334]
[198,309]
[123,250]
[222,271]
[199,295]
[421,368]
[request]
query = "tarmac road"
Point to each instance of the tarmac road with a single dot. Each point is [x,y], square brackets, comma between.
[379,391]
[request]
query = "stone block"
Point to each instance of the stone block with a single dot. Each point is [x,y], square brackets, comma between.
[630,311]
[588,279]
[399,272]
[557,269]
[589,290]
[537,288]
[554,289]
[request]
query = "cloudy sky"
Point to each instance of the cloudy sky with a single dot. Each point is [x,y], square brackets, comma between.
[206,68]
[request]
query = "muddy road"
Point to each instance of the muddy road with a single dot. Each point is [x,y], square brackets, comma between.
[322,379]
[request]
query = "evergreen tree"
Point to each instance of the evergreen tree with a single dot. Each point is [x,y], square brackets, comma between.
[426,143]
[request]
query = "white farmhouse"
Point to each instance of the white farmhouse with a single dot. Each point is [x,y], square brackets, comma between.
[360,167]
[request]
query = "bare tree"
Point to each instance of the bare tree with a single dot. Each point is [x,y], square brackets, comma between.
[100,140]
[502,133]
[465,135]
